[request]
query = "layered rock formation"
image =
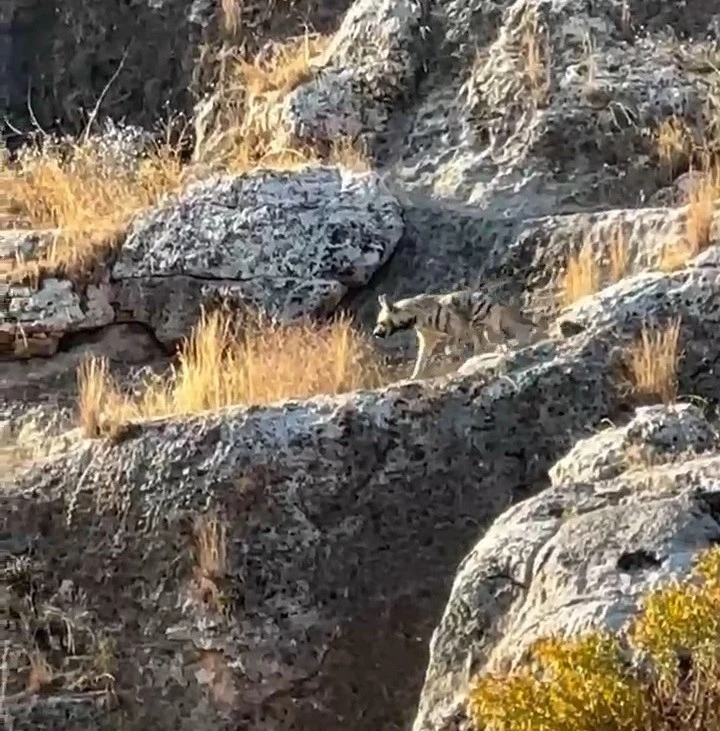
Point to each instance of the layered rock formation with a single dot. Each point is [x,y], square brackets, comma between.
[505,134]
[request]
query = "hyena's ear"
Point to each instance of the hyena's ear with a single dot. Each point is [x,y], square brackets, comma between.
[383,301]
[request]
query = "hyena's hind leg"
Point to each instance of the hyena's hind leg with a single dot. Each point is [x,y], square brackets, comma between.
[426,347]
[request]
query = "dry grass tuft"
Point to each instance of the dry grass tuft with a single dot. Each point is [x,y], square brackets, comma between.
[585,273]
[675,144]
[349,154]
[231,15]
[653,362]
[87,200]
[220,365]
[288,66]
[698,227]
[237,128]
[210,539]
[582,275]
[619,256]
[98,396]
[41,675]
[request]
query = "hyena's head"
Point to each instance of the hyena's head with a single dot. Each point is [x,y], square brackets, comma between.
[391,318]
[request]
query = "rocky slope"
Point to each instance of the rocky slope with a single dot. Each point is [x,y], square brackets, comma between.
[488,506]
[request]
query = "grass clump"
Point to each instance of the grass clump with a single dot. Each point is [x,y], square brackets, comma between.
[222,364]
[585,272]
[698,226]
[653,362]
[675,144]
[588,683]
[211,563]
[535,58]
[86,198]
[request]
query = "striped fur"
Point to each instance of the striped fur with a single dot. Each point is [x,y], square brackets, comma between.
[460,316]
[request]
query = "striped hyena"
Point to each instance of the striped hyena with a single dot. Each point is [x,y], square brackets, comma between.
[458,316]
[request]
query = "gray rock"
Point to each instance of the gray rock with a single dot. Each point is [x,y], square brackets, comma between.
[292,243]
[655,433]
[32,320]
[369,67]
[346,516]
[579,555]
[342,512]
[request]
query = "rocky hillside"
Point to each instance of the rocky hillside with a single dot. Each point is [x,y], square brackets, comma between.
[280,531]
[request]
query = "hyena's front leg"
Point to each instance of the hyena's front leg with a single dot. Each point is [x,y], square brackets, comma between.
[426,347]
[478,344]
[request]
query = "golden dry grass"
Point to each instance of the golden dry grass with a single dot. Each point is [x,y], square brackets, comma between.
[285,69]
[210,538]
[619,256]
[40,675]
[698,227]
[653,362]
[87,201]
[231,15]
[675,143]
[585,273]
[239,129]
[219,366]
[582,275]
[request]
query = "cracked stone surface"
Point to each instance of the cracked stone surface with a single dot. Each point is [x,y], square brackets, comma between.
[32,320]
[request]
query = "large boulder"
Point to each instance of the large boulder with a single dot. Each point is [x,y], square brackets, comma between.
[627,510]
[345,519]
[292,243]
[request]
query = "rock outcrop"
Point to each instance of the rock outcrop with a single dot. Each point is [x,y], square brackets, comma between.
[506,133]
[346,518]
[291,243]
[627,510]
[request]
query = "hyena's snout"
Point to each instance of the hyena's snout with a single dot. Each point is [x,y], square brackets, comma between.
[380,331]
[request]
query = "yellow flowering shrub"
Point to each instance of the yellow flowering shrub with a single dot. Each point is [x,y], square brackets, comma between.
[587,683]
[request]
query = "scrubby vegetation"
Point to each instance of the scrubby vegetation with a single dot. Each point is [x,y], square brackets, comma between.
[701,205]
[88,196]
[223,363]
[661,674]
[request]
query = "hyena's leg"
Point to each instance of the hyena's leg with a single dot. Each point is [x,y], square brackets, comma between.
[478,336]
[492,332]
[427,345]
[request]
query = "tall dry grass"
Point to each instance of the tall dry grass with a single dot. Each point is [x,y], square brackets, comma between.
[211,562]
[698,226]
[585,272]
[675,144]
[86,199]
[653,362]
[222,365]
[89,201]
[535,55]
